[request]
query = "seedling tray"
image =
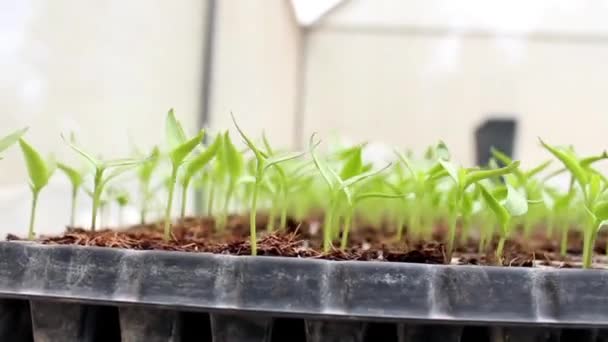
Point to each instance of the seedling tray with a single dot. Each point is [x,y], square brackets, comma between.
[103,294]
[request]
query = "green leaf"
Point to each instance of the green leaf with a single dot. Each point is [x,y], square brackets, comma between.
[360,177]
[232,157]
[269,149]
[585,162]
[199,162]
[36,166]
[600,210]
[319,163]
[12,138]
[405,162]
[148,166]
[73,175]
[500,156]
[540,168]
[353,165]
[258,155]
[477,175]
[283,158]
[450,168]
[593,188]
[501,213]
[174,133]
[370,195]
[123,162]
[117,171]
[96,163]
[516,204]
[181,152]
[570,162]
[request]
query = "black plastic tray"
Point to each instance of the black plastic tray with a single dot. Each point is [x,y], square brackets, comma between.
[82,293]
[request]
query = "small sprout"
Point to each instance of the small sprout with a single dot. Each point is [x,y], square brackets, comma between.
[118,166]
[196,165]
[122,199]
[39,172]
[339,189]
[463,178]
[515,204]
[180,147]
[145,172]
[263,163]
[76,178]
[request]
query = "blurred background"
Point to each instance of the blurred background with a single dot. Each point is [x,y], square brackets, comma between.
[401,72]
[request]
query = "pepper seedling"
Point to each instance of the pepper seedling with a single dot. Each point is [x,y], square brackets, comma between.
[515,204]
[179,148]
[263,163]
[462,178]
[100,179]
[196,165]
[232,160]
[40,172]
[339,189]
[590,185]
[145,172]
[76,179]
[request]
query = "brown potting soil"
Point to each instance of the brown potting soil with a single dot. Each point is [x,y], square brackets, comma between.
[304,240]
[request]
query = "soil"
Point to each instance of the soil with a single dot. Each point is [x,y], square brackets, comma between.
[304,240]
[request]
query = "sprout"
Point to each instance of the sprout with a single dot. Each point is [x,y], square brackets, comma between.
[339,190]
[76,178]
[39,172]
[232,162]
[145,170]
[195,165]
[462,178]
[515,204]
[100,179]
[263,163]
[122,199]
[595,203]
[180,147]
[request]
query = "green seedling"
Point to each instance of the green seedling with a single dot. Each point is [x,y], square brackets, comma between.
[196,165]
[145,171]
[179,148]
[339,190]
[232,160]
[515,204]
[122,199]
[100,179]
[590,184]
[462,178]
[76,178]
[40,172]
[263,163]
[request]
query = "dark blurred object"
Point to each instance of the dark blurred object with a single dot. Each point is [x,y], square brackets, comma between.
[497,133]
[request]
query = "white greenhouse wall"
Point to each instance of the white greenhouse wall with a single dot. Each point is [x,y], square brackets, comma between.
[415,71]
[108,70]
[255,68]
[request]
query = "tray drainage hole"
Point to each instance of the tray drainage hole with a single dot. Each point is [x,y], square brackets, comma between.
[385,332]
[288,329]
[582,335]
[101,323]
[195,326]
[15,320]
[475,333]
